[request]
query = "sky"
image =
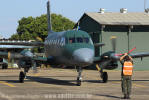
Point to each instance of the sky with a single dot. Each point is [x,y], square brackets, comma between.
[13,10]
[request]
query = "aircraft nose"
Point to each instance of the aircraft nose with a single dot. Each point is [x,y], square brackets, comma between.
[83,55]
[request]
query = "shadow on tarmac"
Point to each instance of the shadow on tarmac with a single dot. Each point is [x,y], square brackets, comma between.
[51,81]
[44,80]
[110,96]
[48,80]
[11,81]
[100,81]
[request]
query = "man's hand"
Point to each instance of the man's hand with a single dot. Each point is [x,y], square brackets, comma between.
[125,54]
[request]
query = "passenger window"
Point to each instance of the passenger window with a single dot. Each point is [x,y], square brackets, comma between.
[52,42]
[66,40]
[79,40]
[58,41]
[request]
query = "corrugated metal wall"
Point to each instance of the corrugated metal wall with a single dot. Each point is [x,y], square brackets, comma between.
[139,37]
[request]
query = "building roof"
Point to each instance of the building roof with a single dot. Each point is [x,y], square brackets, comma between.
[116,18]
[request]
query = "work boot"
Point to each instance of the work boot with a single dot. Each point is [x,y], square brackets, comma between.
[128,97]
[125,96]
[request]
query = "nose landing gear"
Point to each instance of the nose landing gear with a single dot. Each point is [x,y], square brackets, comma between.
[79,78]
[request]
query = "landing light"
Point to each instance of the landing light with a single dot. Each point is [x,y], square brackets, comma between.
[105,56]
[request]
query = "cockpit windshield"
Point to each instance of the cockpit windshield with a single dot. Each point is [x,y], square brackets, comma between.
[77,40]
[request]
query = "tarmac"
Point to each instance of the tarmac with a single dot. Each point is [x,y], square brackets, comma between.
[60,84]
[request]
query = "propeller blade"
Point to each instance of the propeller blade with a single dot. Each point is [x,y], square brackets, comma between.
[128,52]
[132,50]
[113,41]
[119,54]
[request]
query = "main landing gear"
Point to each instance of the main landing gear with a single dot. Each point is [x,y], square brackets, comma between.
[79,78]
[103,75]
[22,75]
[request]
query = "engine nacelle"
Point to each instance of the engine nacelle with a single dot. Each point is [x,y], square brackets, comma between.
[111,66]
[25,63]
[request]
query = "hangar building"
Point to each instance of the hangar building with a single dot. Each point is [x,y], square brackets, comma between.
[130,28]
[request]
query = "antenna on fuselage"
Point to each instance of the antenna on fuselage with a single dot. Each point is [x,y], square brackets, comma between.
[49,17]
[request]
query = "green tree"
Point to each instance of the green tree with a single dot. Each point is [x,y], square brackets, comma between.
[25,25]
[15,36]
[31,28]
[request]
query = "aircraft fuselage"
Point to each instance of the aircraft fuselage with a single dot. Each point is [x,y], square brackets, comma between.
[73,47]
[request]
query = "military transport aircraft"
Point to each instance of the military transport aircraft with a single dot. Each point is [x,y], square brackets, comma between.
[72,48]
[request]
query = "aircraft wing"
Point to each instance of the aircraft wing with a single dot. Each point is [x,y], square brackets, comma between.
[15,46]
[22,43]
[139,55]
[3,54]
[116,57]
[43,60]
[9,55]
[98,44]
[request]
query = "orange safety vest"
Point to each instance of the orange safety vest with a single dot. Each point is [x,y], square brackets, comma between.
[127,68]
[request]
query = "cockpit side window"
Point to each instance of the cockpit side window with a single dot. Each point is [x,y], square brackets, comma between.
[72,40]
[86,40]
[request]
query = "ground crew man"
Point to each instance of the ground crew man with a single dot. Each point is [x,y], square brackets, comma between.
[127,70]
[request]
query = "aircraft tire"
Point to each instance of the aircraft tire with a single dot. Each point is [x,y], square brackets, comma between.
[105,77]
[78,82]
[5,66]
[21,77]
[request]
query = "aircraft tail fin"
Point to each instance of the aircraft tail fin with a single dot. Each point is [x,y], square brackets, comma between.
[49,17]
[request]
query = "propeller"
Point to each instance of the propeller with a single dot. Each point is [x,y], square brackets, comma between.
[28,55]
[127,53]
[113,41]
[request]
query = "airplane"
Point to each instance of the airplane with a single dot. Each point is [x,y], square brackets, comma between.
[69,48]
[3,63]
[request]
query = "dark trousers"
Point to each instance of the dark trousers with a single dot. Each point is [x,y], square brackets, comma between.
[126,85]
